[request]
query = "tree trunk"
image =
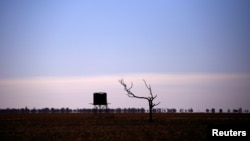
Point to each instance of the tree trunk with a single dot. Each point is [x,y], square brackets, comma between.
[150,111]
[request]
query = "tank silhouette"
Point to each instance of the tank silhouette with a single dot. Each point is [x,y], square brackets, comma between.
[100,98]
[100,102]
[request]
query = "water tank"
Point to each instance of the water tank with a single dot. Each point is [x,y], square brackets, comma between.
[100,98]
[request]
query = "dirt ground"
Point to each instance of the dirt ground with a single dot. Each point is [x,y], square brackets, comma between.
[109,127]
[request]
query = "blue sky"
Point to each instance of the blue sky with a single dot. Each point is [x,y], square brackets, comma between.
[61,39]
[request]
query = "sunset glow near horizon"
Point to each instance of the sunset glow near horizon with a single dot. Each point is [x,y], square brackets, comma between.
[194,54]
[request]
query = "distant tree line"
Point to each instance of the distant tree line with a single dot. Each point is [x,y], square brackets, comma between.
[86,110]
[240,110]
[114,110]
[68,110]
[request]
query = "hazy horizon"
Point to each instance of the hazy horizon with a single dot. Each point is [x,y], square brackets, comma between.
[57,53]
[197,91]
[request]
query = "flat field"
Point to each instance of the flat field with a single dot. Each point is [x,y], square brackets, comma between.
[121,127]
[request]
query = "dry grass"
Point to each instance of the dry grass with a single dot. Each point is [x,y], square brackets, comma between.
[127,127]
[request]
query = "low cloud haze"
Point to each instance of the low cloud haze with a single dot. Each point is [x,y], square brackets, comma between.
[197,91]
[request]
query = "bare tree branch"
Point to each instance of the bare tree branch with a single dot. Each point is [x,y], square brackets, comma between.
[155,96]
[149,98]
[149,88]
[128,90]
[156,104]
[132,95]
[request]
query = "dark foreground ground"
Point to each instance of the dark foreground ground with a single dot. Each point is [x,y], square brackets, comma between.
[129,127]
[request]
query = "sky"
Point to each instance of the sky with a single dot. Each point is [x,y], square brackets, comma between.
[57,53]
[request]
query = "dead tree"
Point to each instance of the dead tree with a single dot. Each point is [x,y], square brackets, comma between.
[150,98]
